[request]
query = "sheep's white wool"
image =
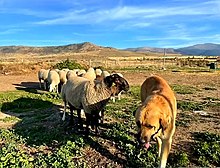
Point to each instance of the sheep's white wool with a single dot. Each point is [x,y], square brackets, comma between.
[98,72]
[90,74]
[82,93]
[62,75]
[43,75]
[71,74]
[54,80]
[96,96]
[105,74]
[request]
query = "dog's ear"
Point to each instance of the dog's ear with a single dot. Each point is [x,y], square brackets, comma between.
[164,122]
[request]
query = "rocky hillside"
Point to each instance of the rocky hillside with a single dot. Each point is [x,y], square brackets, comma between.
[75,48]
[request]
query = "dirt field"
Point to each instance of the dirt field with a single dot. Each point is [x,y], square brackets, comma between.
[207,83]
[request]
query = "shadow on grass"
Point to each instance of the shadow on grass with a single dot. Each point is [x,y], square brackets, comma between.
[40,124]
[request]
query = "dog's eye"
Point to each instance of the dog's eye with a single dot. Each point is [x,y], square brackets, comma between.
[149,126]
[138,124]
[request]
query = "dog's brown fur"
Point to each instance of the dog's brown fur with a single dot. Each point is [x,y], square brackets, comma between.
[156,116]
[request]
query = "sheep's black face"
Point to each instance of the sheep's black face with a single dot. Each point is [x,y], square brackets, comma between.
[120,82]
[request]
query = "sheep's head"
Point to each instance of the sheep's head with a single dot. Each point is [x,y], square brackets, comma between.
[119,82]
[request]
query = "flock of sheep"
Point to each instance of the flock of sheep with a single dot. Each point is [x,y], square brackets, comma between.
[84,90]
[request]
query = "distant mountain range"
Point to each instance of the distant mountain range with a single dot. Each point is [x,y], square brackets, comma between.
[207,49]
[76,48]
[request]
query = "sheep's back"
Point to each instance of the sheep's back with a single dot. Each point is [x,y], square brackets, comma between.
[53,77]
[95,96]
[73,91]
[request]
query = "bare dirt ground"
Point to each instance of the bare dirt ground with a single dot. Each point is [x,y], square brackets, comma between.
[183,136]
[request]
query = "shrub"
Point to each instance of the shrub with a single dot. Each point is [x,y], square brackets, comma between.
[68,64]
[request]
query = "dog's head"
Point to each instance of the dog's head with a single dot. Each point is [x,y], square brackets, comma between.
[150,124]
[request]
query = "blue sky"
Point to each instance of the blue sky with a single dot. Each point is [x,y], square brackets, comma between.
[113,23]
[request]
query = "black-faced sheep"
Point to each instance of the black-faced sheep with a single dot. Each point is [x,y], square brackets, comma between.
[91,96]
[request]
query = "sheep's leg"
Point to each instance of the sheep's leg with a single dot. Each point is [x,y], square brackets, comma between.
[119,96]
[88,121]
[64,111]
[113,98]
[79,118]
[57,89]
[45,85]
[96,123]
[71,114]
[40,83]
[102,116]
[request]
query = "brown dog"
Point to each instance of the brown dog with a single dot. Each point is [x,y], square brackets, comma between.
[156,116]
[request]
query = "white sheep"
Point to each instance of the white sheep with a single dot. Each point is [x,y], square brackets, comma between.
[63,79]
[62,75]
[98,72]
[43,75]
[105,74]
[90,74]
[71,74]
[91,96]
[53,80]
[81,72]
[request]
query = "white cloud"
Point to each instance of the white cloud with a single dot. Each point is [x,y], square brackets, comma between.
[11,31]
[131,13]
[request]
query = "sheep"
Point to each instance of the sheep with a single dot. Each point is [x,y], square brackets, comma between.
[81,72]
[71,74]
[63,79]
[54,80]
[90,74]
[98,72]
[43,75]
[105,74]
[91,96]
[115,91]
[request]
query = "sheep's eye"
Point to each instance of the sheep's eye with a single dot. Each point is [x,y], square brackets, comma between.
[138,124]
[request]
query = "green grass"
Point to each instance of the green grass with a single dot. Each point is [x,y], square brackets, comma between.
[10,119]
[41,139]
[184,89]
[190,105]
[207,149]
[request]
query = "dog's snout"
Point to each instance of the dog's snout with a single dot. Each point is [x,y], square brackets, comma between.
[142,141]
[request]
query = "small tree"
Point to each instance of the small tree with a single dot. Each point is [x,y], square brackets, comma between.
[68,64]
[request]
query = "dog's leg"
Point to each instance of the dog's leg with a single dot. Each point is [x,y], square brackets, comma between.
[166,145]
[159,143]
